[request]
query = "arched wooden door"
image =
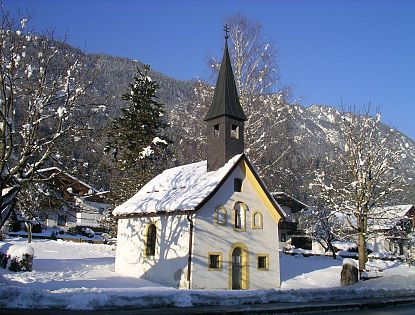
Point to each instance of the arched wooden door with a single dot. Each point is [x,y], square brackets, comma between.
[237,269]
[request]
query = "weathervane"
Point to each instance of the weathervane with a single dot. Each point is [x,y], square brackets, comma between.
[226,29]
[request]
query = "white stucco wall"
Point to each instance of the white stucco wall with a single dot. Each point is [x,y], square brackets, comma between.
[169,265]
[210,237]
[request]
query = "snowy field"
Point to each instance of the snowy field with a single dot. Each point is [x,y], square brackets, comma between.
[81,276]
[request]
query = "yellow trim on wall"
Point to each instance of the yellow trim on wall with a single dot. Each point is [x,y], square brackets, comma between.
[266,262]
[245,265]
[260,192]
[216,216]
[220,254]
[244,208]
[260,225]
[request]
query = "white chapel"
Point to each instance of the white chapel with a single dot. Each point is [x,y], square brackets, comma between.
[207,225]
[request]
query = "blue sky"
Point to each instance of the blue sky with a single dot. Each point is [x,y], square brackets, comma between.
[330,52]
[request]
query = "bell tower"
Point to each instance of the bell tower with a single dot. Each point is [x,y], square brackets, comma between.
[225,117]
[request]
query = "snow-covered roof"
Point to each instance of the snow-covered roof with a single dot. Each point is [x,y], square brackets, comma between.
[282,197]
[180,188]
[58,170]
[387,217]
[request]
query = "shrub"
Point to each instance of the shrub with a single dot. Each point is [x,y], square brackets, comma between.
[14,224]
[4,258]
[88,232]
[17,257]
[37,228]
[81,230]
[73,230]
[23,263]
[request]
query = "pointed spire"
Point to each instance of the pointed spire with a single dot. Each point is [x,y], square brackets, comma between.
[226,100]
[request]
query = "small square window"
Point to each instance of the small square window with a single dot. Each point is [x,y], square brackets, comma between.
[216,130]
[237,185]
[235,131]
[215,261]
[262,262]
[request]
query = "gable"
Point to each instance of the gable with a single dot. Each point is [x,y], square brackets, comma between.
[261,191]
[253,190]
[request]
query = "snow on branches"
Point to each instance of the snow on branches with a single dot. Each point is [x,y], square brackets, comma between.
[40,91]
[365,174]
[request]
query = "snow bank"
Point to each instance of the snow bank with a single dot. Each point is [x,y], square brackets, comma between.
[81,276]
[344,253]
[345,246]
[83,299]
[387,256]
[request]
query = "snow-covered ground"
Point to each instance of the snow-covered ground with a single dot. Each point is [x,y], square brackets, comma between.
[81,276]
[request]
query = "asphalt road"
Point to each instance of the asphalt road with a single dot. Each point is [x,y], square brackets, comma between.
[395,306]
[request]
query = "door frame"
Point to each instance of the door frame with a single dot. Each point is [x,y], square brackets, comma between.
[245,265]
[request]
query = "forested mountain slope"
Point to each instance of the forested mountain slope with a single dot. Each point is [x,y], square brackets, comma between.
[287,142]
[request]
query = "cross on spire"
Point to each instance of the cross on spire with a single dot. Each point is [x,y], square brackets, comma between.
[226,29]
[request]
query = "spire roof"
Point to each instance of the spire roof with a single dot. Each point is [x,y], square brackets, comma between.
[226,100]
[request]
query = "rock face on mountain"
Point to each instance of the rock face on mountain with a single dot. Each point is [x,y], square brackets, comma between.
[286,142]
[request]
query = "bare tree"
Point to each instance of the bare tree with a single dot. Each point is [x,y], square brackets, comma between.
[364,175]
[323,226]
[265,105]
[41,92]
[254,58]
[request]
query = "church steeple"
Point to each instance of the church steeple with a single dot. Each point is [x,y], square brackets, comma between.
[225,118]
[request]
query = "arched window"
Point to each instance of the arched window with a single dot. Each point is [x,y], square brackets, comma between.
[220,216]
[151,240]
[257,220]
[239,216]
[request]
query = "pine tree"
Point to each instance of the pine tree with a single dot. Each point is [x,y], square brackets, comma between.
[137,139]
[14,224]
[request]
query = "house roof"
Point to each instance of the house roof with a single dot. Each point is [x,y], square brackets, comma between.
[71,186]
[57,170]
[183,188]
[284,199]
[226,100]
[385,218]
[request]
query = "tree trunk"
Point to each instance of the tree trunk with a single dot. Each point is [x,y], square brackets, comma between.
[7,202]
[362,251]
[29,231]
[333,252]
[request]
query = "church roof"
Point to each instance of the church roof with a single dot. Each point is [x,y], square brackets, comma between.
[226,100]
[182,188]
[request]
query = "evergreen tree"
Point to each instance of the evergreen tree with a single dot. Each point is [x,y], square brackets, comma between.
[137,139]
[14,224]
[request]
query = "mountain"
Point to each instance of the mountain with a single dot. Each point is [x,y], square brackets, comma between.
[293,142]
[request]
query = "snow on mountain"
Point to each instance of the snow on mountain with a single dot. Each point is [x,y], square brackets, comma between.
[302,135]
